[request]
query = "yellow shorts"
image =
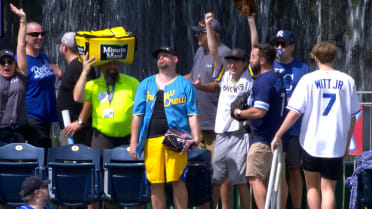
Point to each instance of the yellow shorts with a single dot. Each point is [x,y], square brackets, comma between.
[163,165]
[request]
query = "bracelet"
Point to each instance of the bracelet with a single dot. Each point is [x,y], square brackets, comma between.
[22,21]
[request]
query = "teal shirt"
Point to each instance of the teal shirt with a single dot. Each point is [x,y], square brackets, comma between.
[180,100]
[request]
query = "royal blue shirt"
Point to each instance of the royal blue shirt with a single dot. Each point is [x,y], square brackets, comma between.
[291,74]
[41,102]
[267,93]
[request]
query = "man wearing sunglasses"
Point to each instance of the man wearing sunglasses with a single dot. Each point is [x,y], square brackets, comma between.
[291,71]
[40,91]
[12,87]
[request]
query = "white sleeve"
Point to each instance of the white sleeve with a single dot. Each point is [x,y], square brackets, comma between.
[298,100]
[355,106]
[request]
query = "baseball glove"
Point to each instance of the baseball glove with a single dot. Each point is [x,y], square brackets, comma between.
[178,141]
[240,102]
[246,7]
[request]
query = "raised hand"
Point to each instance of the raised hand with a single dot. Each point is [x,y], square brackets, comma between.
[87,63]
[19,12]
[209,18]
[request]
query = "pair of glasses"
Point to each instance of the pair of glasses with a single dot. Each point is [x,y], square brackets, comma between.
[281,43]
[37,34]
[9,62]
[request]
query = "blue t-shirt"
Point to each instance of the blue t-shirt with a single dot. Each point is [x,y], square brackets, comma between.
[269,94]
[26,206]
[180,100]
[41,102]
[291,74]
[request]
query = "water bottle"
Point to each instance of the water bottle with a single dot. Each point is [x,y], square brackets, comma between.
[279,54]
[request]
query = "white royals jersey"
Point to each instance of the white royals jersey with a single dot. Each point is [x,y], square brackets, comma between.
[327,100]
[229,90]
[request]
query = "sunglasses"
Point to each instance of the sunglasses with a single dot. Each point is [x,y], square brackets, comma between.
[36,34]
[281,43]
[9,62]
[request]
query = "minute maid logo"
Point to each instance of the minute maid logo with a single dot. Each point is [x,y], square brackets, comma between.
[168,100]
[113,51]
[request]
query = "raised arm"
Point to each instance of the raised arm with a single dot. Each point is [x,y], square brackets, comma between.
[212,42]
[253,30]
[79,89]
[21,42]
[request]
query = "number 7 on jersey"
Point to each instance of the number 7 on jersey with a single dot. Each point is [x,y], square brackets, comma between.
[332,100]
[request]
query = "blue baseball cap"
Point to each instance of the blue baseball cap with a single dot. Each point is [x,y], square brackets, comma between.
[284,34]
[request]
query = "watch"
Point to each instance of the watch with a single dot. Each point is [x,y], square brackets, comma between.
[238,113]
[80,122]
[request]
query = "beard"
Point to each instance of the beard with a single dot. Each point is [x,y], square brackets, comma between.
[256,68]
[163,65]
[111,76]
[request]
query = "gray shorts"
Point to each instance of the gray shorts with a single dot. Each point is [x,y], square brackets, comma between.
[230,154]
[294,153]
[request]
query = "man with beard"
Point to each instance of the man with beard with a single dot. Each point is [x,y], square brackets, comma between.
[110,100]
[82,133]
[34,192]
[266,112]
[164,101]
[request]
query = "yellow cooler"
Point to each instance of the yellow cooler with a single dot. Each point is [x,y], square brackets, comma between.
[106,45]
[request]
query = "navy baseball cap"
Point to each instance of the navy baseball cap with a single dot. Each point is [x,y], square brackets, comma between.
[7,53]
[284,34]
[238,54]
[163,49]
[216,26]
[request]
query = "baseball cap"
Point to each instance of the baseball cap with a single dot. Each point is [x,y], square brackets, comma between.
[69,39]
[284,34]
[216,26]
[6,52]
[163,49]
[32,183]
[238,54]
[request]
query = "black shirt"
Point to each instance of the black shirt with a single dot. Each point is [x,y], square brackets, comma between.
[65,99]
[158,124]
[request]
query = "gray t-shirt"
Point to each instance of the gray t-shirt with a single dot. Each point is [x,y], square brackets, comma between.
[207,101]
[14,110]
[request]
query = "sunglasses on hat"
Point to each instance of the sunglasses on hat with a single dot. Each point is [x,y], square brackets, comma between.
[36,34]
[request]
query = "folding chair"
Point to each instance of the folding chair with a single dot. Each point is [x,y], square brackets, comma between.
[124,181]
[273,196]
[74,172]
[17,162]
[198,179]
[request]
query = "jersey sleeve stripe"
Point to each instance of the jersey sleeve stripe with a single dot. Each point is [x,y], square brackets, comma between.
[356,113]
[262,105]
[219,75]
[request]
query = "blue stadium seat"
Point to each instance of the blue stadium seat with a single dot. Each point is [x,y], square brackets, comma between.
[74,172]
[198,179]
[124,178]
[17,162]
